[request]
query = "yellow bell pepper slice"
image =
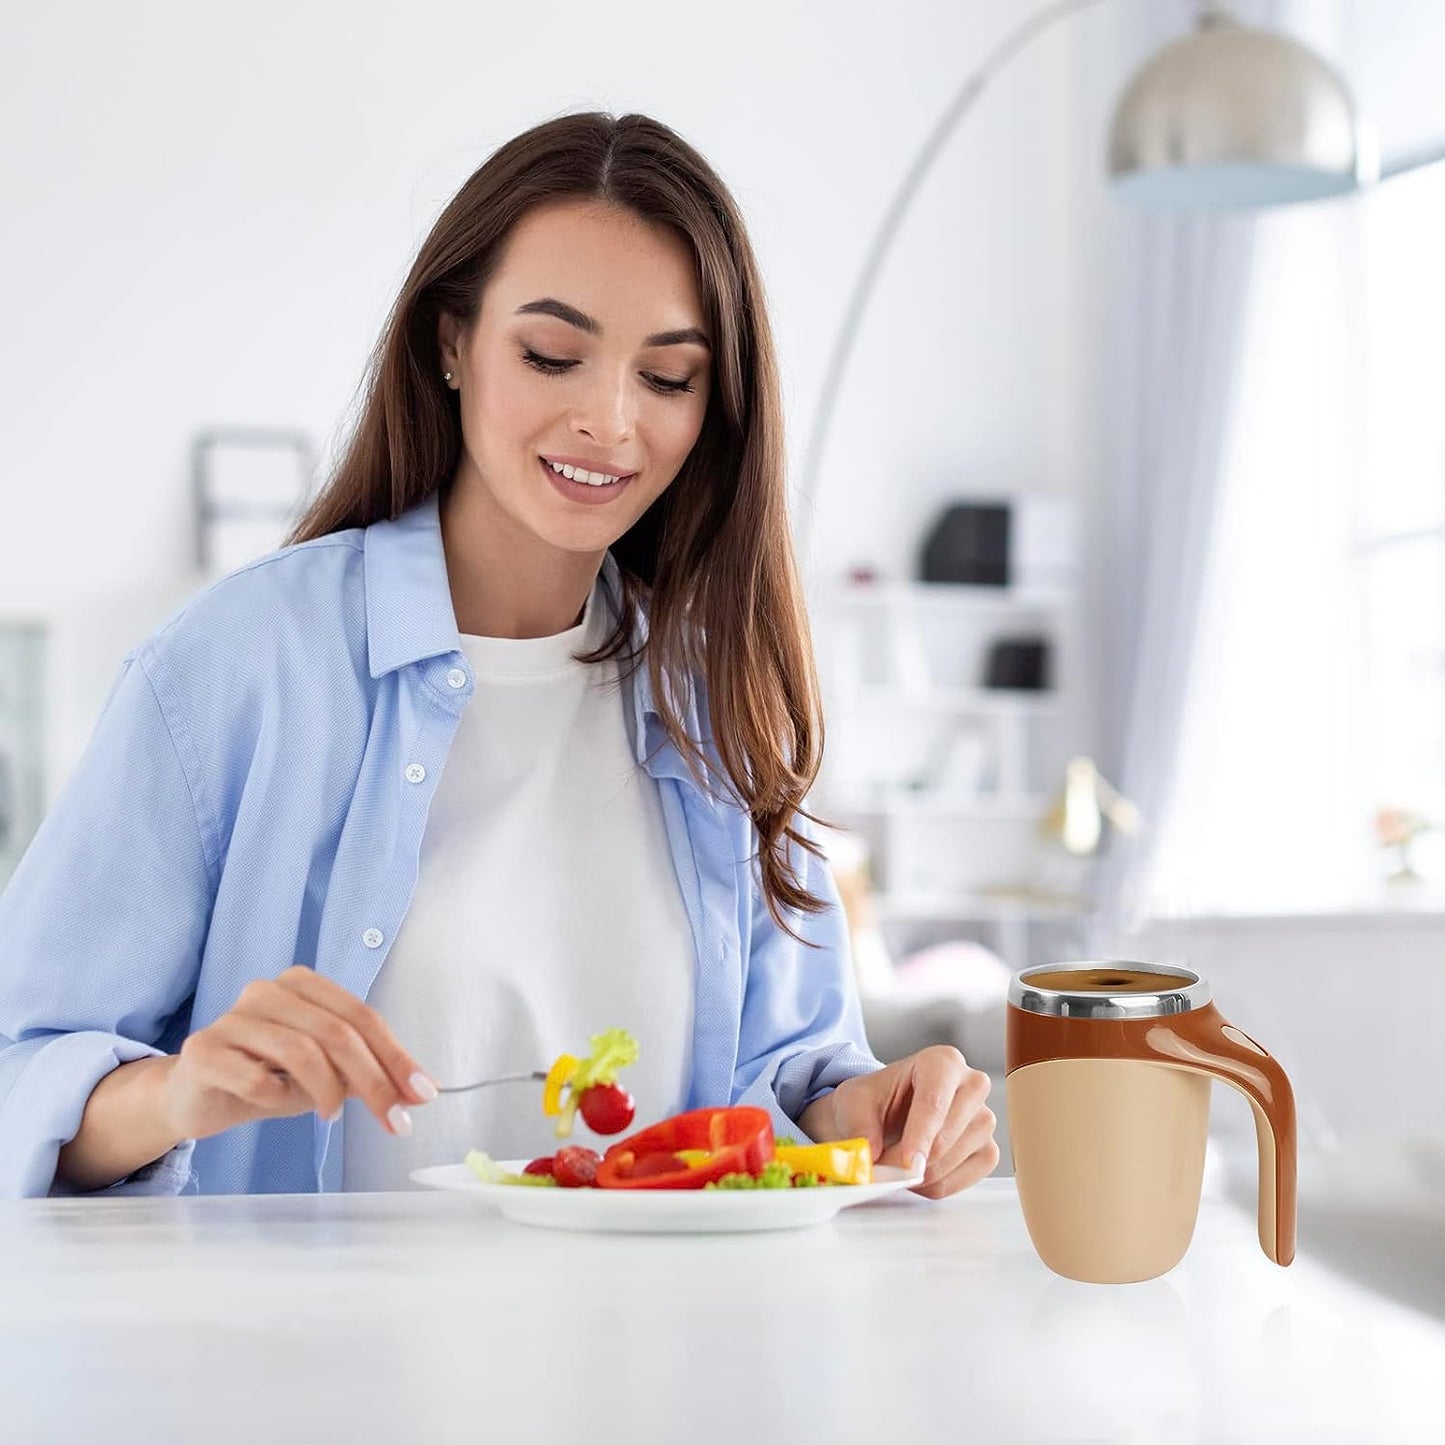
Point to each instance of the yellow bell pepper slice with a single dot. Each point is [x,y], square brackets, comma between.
[558,1077]
[840,1161]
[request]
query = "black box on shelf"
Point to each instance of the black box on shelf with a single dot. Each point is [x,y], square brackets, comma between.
[1018,662]
[969,543]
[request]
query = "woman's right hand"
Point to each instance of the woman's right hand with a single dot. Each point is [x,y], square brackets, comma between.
[292,1044]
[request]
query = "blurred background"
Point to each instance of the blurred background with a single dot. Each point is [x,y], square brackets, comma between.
[1123,537]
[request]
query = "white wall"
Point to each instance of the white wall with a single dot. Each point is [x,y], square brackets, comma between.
[209,210]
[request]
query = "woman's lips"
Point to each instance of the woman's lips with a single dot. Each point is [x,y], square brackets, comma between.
[580,491]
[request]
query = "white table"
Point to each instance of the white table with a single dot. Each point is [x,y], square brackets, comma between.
[422,1317]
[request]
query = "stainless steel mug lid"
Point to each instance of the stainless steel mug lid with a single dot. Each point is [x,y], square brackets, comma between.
[1108,989]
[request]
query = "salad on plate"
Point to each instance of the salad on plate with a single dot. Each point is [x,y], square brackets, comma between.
[726,1148]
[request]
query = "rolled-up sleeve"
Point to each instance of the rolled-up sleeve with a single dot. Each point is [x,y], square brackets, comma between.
[102,928]
[46,1082]
[802,1025]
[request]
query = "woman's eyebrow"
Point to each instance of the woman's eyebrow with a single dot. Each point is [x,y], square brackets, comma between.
[550,306]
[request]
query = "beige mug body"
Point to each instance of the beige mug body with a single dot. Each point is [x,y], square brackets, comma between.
[1109,1162]
[1108,1073]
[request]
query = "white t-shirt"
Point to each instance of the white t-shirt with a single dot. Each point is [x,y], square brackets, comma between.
[546,909]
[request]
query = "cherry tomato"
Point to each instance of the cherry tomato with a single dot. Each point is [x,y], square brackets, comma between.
[540,1166]
[575,1167]
[606,1108]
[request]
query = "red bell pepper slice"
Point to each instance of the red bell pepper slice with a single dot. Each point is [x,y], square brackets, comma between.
[739,1140]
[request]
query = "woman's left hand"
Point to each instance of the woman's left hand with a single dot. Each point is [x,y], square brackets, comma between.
[926,1111]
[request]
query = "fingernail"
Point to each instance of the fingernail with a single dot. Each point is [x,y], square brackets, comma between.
[422,1085]
[918,1164]
[399,1120]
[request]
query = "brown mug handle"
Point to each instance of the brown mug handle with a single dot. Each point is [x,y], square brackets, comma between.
[1203,1041]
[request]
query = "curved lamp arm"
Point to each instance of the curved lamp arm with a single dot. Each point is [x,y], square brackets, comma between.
[863,286]
[1412,160]
[1020,36]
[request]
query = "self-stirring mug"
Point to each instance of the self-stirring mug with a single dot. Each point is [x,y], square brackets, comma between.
[1108,1069]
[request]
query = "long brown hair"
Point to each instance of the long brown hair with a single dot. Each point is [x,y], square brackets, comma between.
[712,557]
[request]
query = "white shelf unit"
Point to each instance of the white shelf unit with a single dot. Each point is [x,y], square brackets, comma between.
[947,779]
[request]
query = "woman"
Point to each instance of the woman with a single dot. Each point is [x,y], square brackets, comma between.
[508,745]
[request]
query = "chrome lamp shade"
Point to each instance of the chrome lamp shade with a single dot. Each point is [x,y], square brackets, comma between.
[1231,116]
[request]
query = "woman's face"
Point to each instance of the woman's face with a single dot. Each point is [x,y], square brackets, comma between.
[590,348]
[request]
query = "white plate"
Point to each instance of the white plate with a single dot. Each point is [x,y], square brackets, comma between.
[664,1211]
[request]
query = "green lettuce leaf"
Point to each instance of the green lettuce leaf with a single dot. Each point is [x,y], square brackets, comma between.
[775,1175]
[490,1172]
[612,1050]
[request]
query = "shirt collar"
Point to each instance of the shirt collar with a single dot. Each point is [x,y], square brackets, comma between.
[409,615]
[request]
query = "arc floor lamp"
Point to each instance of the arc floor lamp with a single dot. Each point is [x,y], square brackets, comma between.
[1228,116]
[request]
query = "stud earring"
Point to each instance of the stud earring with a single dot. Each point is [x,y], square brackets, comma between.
[446,376]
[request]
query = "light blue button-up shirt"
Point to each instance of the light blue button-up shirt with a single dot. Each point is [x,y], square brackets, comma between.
[249,800]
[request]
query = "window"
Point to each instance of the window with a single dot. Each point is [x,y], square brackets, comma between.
[1401,557]
[1318,690]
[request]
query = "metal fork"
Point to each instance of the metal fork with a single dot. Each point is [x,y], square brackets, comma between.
[537,1074]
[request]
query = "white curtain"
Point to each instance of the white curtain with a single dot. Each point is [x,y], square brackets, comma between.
[1266,810]
[1178,325]
[1177,291]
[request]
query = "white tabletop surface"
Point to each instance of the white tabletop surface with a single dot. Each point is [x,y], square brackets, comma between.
[425,1317]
